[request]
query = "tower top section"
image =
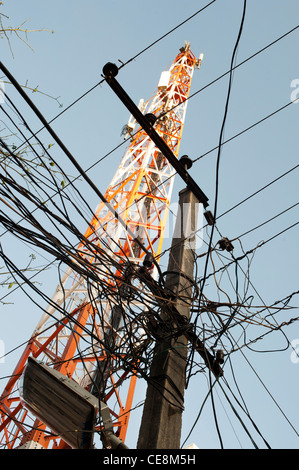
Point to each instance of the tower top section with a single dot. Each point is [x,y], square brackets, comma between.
[185,50]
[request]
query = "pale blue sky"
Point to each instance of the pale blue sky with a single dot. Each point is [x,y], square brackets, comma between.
[69,62]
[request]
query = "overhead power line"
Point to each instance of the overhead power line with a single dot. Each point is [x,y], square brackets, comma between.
[191,358]
[123,64]
[248,128]
[167,34]
[248,252]
[191,96]
[259,190]
[195,93]
[244,61]
[68,153]
[221,135]
[217,327]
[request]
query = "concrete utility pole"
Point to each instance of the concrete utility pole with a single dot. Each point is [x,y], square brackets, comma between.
[162,415]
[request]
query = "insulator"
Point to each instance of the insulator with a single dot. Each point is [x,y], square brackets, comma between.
[209,217]
[151,118]
[186,162]
[110,70]
[225,244]
[148,260]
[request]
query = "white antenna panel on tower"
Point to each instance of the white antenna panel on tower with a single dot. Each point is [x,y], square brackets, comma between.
[164,80]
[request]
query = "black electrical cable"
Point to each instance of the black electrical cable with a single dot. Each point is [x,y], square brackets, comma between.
[127,62]
[68,154]
[244,61]
[239,258]
[238,65]
[236,134]
[211,83]
[247,129]
[220,146]
[117,215]
[165,35]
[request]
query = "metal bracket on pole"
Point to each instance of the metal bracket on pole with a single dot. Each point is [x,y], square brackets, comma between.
[110,71]
[116,442]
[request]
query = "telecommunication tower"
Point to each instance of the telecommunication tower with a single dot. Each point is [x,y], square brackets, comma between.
[140,192]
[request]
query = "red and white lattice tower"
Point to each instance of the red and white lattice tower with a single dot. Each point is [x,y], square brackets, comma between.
[140,193]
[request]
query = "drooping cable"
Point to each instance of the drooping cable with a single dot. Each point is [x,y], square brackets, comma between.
[220,147]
